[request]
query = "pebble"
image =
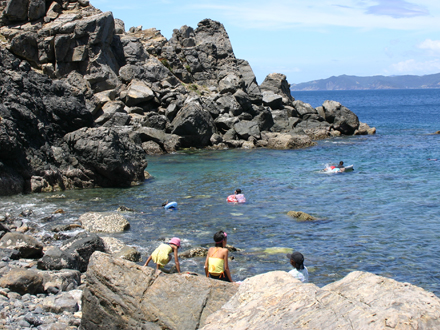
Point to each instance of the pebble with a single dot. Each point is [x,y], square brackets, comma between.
[27,311]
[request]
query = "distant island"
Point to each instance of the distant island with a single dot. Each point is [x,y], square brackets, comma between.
[345,82]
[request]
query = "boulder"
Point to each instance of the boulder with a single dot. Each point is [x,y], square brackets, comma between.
[194,125]
[63,302]
[104,157]
[121,294]
[103,222]
[342,118]
[73,254]
[365,129]
[23,281]
[138,92]
[245,129]
[27,246]
[360,300]
[118,249]
[287,141]
[55,281]
[277,84]
[194,252]
[272,100]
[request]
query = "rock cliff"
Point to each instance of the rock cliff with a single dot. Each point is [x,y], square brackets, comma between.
[83,100]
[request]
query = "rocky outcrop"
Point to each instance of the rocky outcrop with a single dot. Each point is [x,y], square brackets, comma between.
[121,294]
[361,300]
[75,82]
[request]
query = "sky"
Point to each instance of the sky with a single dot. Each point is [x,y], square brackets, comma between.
[307,39]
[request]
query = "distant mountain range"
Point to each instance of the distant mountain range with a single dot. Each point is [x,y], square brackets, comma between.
[345,82]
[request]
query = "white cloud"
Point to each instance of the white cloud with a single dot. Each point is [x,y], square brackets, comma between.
[416,67]
[285,14]
[430,45]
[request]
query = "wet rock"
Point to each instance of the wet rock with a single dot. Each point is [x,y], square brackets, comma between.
[106,222]
[26,245]
[301,216]
[195,252]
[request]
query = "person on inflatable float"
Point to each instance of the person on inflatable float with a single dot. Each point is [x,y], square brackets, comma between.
[238,197]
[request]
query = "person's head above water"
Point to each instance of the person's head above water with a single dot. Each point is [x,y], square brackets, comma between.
[296,260]
[220,237]
[238,191]
[341,163]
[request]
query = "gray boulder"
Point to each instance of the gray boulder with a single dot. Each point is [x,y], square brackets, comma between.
[73,254]
[287,141]
[342,118]
[194,125]
[63,302]
[27,246]
[272,100]
[104,222]
[277,84]
[246,129]
[360,300]
[142,300]
[104,157]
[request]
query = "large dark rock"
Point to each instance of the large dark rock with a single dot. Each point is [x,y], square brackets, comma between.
[123,295]
[102,157]
[342,118]
[73,254]
[194,124]
[27,246]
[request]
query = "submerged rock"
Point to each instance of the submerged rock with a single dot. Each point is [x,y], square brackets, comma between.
[301,216]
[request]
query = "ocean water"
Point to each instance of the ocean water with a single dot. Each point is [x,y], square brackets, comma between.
[384,217]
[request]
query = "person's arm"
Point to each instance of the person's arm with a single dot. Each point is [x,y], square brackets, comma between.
[228,273]
[176,258]
[148,261]
[206,263]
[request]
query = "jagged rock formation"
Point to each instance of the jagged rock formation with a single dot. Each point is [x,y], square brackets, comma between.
[77,77]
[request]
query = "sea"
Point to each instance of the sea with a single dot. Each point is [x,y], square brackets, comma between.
[383,218]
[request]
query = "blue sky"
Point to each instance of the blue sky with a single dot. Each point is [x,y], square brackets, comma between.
[309,39]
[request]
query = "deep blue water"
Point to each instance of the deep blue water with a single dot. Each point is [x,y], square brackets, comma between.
[383,218]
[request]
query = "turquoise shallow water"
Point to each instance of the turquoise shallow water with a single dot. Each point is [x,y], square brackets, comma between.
[383,217]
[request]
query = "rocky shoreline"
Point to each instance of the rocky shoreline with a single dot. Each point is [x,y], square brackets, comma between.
[84,101]
[90,281]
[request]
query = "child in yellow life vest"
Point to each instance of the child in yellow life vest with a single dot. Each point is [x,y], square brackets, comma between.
[162,255]
[216,264]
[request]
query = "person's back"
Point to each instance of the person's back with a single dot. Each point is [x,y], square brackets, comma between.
[299,271]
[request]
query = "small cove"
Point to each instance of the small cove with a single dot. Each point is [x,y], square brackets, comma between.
[383,217]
